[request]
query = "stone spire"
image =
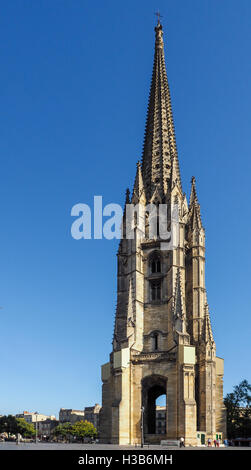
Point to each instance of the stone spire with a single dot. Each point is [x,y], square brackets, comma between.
[160,166]
[123,222]
[194,207]
[127,199]
[138,189]
[207,330]
[193,195]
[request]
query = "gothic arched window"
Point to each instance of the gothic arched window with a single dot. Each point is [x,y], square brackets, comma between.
[155,277]
[155,289]
[155,264]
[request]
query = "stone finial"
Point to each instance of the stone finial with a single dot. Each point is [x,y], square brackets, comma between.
[127,196]
[159,36]
[193,195]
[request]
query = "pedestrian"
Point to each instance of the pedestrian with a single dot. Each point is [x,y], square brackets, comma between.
[215,443]
[209,442]
[218,442]
[182,444]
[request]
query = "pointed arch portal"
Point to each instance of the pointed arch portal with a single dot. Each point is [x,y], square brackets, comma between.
[153,387]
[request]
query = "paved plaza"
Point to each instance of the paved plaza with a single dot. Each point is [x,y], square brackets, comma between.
[107,447]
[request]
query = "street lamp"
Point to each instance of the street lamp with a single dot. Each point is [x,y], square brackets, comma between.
[142,426]
[36,413]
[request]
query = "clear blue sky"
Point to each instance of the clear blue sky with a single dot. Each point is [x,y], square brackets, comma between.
[75,78]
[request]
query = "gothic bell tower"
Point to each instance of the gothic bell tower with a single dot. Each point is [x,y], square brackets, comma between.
[163,343]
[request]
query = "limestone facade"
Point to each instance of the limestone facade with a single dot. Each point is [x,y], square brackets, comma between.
[163,342]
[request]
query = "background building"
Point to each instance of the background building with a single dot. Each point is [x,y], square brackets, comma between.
[89,413]
[92,414]
[160,419]
[46,427]
[70,415]
[31,417]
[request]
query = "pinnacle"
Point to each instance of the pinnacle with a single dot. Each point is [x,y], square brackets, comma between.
[178,298]
[179,320]
[193,195]
[127,201]
[194,206]
[138,189]
[208,334]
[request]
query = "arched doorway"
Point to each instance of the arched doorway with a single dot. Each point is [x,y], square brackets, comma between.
[154,389]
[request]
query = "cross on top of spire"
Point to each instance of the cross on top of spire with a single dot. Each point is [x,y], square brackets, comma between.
[158,16]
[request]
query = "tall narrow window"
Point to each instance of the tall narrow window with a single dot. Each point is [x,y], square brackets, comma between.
[155,265]
[155,290]
[155,341]
[157,221]
[147,225]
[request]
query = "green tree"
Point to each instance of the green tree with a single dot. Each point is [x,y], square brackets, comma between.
[82,429]
[63,430]
[238,405]
[13,425]
[9,424]
[24,428]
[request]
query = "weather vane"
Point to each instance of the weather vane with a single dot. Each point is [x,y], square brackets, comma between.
[158,16]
